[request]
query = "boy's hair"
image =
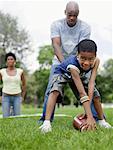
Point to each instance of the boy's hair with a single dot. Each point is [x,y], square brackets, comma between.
[87,45]
[10,54]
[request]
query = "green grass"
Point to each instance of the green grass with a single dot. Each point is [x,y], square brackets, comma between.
[23,133]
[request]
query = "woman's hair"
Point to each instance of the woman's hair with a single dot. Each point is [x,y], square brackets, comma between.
[87,45]
[10,54]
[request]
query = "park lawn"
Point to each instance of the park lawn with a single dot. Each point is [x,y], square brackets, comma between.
[23,133]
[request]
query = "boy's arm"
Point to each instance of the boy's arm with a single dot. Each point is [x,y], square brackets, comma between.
[92,79]
[84,98]
[23,85]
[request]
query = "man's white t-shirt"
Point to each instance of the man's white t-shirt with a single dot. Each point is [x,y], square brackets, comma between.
[70,36]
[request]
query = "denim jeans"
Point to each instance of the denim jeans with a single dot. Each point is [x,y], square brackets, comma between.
[47,95]
[11,105]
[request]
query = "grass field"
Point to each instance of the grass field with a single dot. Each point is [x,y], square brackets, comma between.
[23,133]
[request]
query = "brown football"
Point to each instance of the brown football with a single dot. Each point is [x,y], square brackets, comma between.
[78,121]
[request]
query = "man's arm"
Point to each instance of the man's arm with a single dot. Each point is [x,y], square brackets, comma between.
[85,101]
[56,43]
[92,79]
[23,85]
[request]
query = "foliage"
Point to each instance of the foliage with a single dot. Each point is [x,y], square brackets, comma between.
[13,38]
[36,86]
[69,97]
[31,89]
[105,82]
[45,56]
[41,77]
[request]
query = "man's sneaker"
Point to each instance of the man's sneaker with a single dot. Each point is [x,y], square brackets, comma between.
[46,127]
[103,123]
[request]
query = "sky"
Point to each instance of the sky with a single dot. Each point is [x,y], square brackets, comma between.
[36,17]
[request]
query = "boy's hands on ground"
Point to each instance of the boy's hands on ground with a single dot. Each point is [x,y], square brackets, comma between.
[46,127]
[90,123]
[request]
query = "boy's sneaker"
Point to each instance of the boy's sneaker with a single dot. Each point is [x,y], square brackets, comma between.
[46,127]
[103,123]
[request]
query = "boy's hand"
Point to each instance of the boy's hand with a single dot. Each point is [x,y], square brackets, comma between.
[46,127]
[90,123]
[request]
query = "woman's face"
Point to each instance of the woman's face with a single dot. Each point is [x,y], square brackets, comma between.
[10,61]
[86,59]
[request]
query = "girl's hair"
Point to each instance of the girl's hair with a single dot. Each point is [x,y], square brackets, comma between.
[87,45]
[10,54]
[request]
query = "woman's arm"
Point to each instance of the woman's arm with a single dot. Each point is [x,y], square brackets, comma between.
[92,79]
[23,85]
[0,76]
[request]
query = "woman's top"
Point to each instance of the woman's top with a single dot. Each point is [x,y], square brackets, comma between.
[11,84]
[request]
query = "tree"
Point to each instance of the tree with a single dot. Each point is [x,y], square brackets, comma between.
[36,86]
[105,81]
[41,78]
[45,56]
[13,38]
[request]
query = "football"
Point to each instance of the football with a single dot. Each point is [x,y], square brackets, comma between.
[78,121]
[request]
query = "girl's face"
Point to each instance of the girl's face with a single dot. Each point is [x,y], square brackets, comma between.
[10,61]
[86,59]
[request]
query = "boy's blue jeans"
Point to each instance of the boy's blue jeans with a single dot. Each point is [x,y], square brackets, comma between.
[9,101]
[47,94]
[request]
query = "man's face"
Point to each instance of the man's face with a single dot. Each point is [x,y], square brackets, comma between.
[71,17]
[86,59]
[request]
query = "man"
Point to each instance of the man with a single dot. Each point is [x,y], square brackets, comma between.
[65,35]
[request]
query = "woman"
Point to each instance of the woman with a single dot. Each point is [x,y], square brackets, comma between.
[14,86]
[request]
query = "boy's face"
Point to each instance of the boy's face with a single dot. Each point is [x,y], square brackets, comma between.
[86,59]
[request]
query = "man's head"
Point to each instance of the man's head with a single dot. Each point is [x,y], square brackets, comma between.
[87,53]
[72,11]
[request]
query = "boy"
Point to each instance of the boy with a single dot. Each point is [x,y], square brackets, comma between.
[73,70]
